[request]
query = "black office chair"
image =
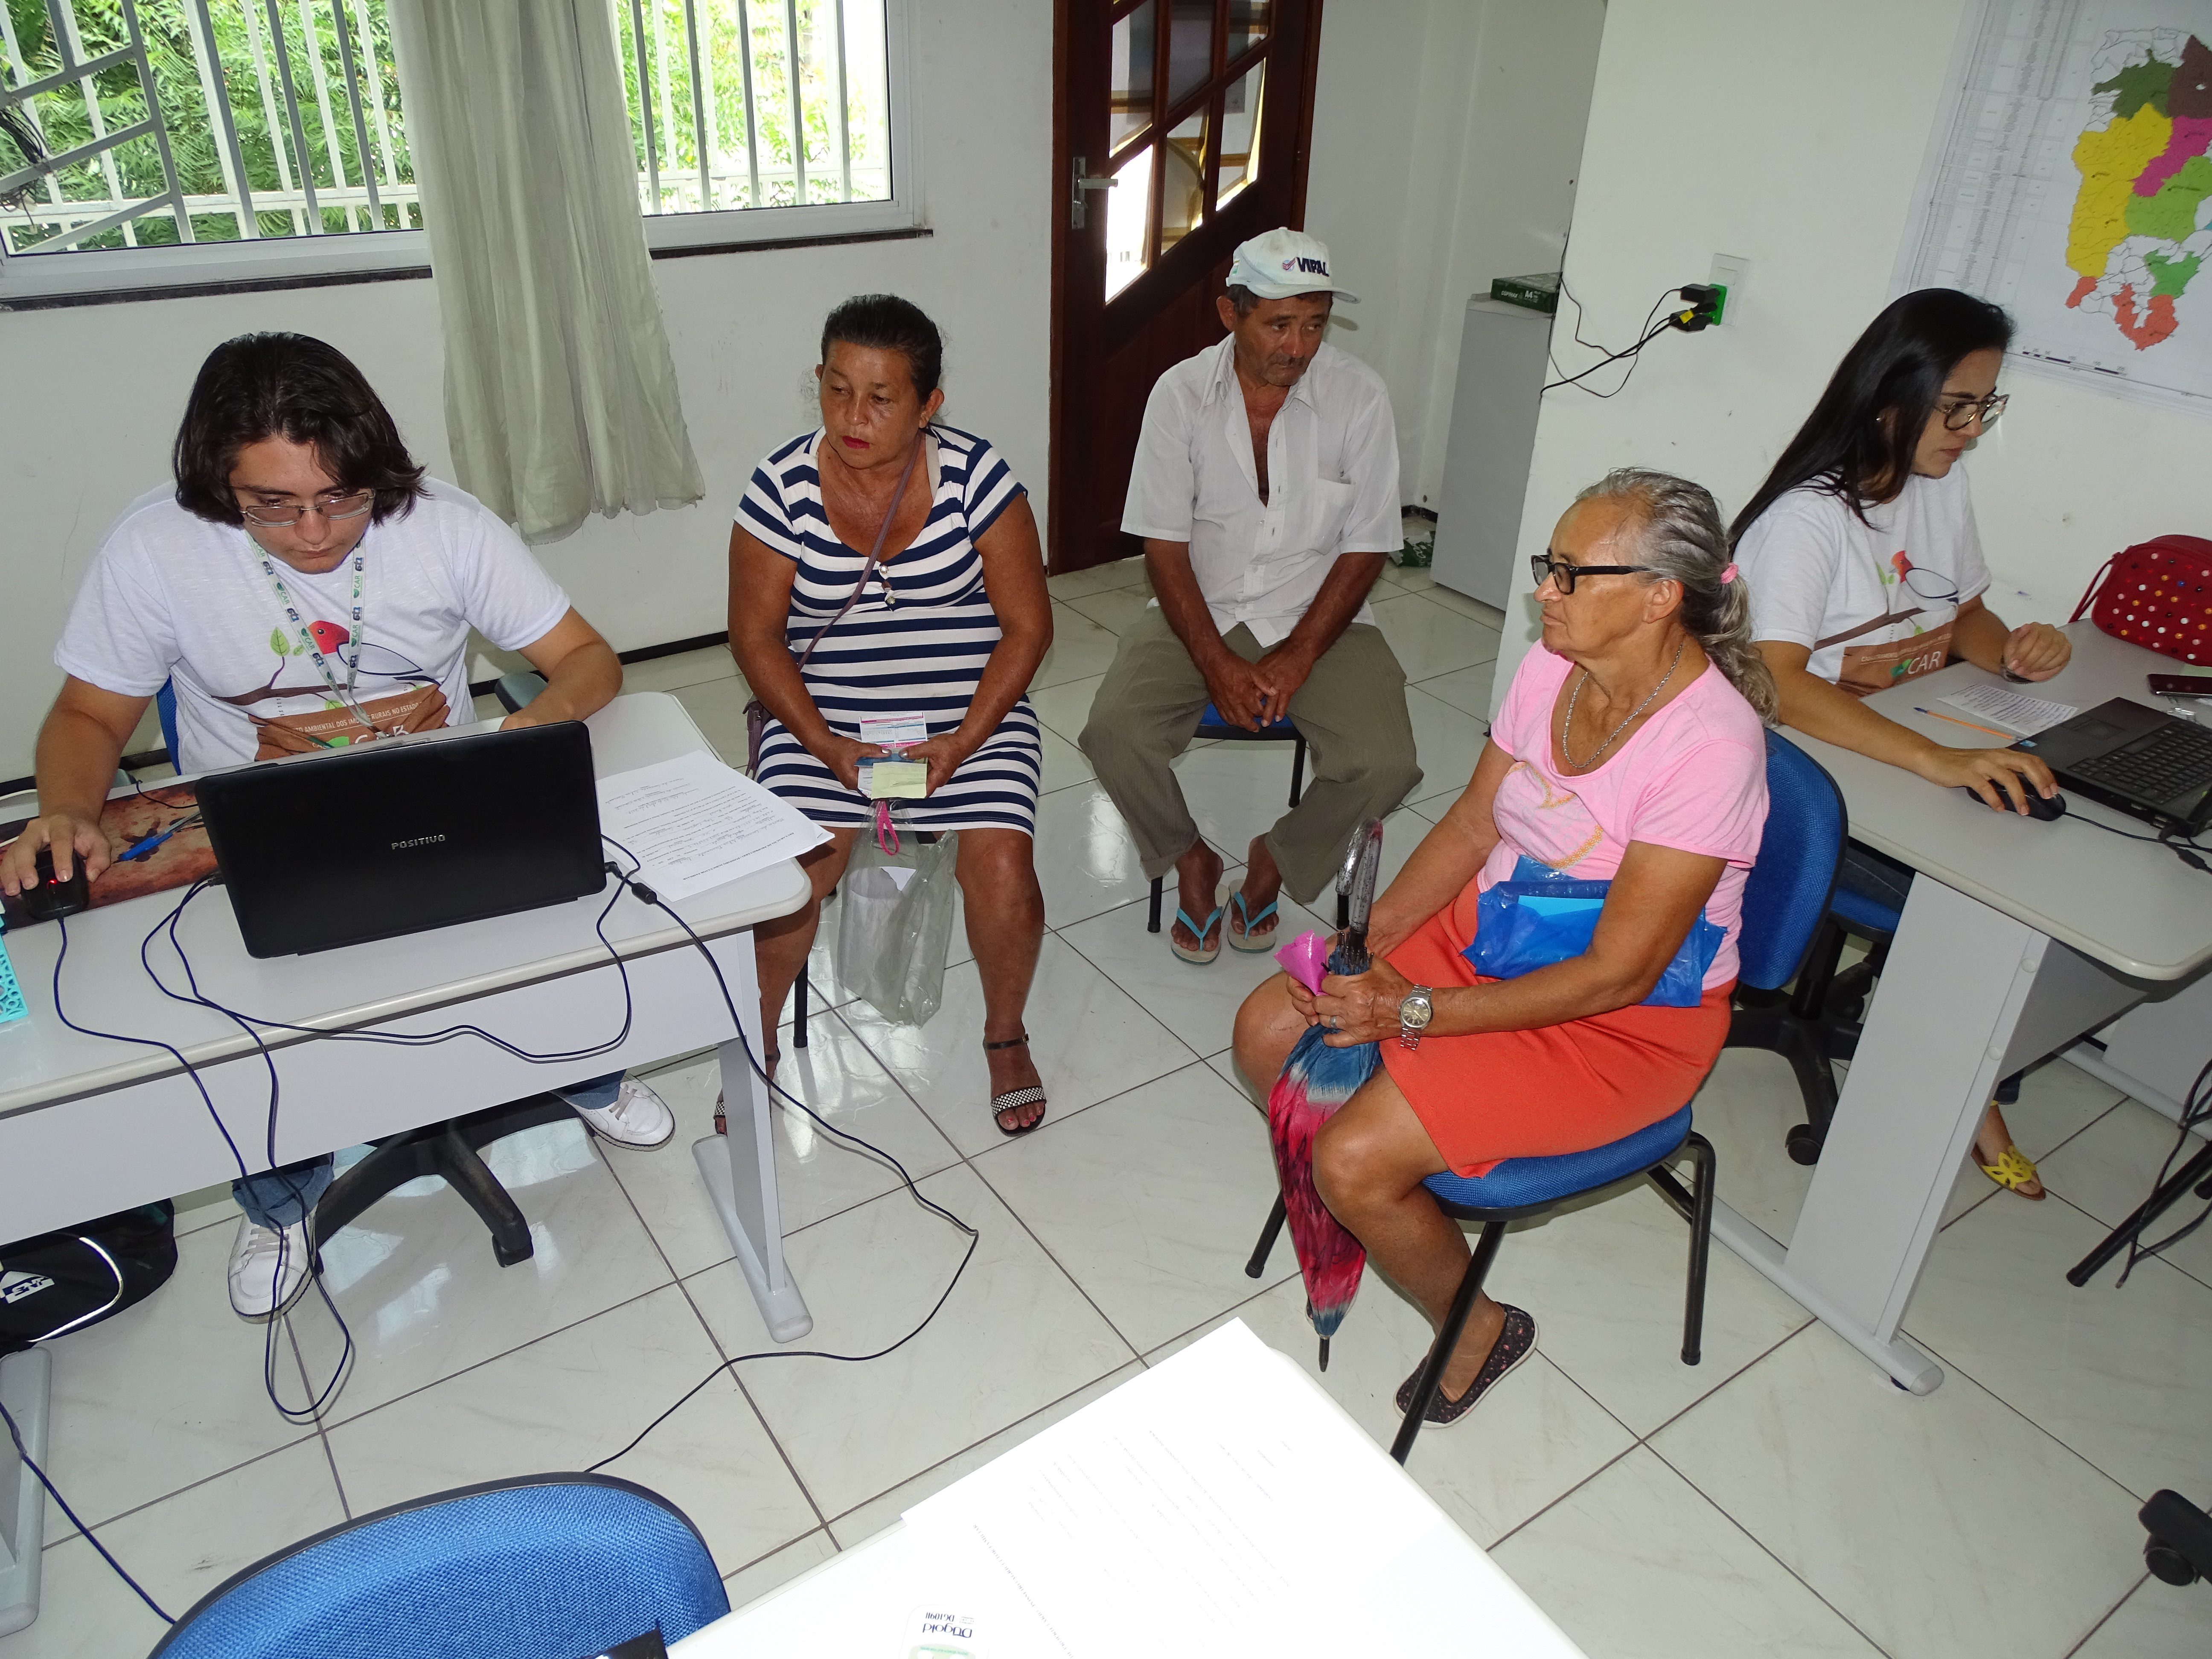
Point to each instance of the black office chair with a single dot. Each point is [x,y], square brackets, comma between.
[1281,729]
[451,1149]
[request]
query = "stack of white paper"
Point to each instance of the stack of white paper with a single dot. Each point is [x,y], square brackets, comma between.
[693,823]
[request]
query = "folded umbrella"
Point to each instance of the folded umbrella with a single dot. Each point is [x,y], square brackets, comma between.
[1317,1079]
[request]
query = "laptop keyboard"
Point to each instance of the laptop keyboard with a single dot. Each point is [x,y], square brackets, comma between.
[2171,762]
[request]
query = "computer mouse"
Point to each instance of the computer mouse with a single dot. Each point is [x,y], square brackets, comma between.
[2042,810]
[52,898]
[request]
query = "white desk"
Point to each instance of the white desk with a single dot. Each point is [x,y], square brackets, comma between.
[88,1126]
[1220,1503]
[2018,938]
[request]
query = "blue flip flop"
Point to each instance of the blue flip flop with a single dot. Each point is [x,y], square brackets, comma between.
[1236,936]
[1202,956]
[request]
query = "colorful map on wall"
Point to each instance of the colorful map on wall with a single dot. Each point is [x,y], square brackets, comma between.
[2070,178]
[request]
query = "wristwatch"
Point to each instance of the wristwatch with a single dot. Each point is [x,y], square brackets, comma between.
[1415,1014]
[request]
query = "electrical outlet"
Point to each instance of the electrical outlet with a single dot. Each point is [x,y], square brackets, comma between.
[1730,274]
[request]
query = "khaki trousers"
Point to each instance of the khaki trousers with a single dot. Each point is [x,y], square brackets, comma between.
[1352,710]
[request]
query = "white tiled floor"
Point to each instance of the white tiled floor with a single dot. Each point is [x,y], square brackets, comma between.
[1780,1498]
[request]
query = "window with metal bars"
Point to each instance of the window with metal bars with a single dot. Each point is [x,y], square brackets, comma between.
[161,141]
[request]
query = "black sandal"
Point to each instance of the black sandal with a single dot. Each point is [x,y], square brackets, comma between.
[1014,1099]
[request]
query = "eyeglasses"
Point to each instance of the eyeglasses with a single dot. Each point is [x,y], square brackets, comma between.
[335,507]
[1958,415]
[1544,568]
[1931,585]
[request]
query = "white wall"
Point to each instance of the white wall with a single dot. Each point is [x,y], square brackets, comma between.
[92,395]
[1790,132]
[1446,136]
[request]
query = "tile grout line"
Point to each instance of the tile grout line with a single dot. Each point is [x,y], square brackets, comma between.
[2109,1613]
[2049,1434]
[1760,1544]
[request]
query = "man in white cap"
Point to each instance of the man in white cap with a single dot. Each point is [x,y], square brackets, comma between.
[1266,491]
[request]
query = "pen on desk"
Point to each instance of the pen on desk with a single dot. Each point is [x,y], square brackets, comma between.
[2010,737]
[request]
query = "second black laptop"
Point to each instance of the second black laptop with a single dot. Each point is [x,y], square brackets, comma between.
[405,834]
[2137,759]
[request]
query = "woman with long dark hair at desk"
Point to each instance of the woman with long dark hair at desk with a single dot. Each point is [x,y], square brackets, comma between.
[1866,570]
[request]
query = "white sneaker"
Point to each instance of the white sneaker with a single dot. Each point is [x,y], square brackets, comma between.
[259,1288]
[638,1118]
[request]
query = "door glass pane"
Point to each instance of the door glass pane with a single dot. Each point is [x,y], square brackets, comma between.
[1183,192]
[1128,210]
[1190,47]
[1249,22]
[1129,91]
[1239,132]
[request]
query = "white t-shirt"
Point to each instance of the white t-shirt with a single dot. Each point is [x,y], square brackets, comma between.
[1817,572]
[172,596]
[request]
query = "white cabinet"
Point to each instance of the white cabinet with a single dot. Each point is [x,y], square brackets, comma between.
[1502,357]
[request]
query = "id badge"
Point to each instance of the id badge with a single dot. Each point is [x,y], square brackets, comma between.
[894,780]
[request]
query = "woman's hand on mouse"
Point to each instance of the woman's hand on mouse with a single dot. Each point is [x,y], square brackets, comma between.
[1995,776]
[74,841]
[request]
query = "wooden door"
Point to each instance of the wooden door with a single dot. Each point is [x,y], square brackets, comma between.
[1200,114]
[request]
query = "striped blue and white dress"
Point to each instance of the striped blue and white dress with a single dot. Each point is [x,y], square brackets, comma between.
[914,646]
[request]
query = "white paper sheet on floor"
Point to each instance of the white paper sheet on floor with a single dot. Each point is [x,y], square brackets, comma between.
[694,824]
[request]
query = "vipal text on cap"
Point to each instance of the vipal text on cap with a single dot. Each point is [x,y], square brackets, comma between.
[1281,264]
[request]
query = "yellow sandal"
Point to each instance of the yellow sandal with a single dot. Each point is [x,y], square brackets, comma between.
[2012,1171]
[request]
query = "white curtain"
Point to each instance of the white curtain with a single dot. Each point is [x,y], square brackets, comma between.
[560,398]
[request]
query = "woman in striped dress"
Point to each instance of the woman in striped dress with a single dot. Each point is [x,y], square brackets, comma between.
[947,630]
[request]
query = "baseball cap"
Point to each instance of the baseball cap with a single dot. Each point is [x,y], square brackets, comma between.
[1282,263]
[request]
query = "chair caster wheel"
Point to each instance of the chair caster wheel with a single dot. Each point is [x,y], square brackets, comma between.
[1804,1142]
[2168,1563]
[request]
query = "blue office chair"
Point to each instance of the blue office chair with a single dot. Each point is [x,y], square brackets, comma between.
[1281,729]
[165,706]
[1785,899]
[545,1566]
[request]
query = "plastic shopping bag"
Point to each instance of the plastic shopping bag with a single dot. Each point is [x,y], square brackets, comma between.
[895,926]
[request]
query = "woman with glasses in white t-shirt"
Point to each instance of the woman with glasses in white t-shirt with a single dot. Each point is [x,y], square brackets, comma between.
[1866,570]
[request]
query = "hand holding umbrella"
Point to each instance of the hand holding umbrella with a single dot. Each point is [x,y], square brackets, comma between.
[1320,1076]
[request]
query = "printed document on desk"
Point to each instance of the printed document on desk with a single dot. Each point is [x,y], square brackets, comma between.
[693,823]
[1221,1503]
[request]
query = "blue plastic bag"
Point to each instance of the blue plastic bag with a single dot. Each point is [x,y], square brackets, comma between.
[1542,916]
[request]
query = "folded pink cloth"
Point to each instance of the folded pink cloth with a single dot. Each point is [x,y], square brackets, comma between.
[1305,959]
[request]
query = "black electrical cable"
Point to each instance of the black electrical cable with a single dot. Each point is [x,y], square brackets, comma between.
[2181,846]
[314,1409]
[2195,1111]
[76,1520]
[974,1237]
[1648,334]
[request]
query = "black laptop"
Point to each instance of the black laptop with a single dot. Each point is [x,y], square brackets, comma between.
[2137,759]
[405,834]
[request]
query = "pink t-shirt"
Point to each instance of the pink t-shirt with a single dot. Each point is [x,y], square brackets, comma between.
[1694,778]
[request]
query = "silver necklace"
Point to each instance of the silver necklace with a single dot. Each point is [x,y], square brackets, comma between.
[1575,697]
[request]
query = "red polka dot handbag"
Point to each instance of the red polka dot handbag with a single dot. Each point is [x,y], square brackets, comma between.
[2159,594]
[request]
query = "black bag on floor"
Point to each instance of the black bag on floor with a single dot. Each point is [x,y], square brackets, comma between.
[63,1281]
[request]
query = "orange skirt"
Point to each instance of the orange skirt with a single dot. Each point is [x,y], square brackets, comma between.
[1496,1095]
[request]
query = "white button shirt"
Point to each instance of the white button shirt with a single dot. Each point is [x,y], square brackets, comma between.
[1332,479]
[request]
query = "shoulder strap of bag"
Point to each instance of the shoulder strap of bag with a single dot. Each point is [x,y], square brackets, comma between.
[875,550]
[2089,593]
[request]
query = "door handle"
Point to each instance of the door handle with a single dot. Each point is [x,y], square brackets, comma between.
[1077,202]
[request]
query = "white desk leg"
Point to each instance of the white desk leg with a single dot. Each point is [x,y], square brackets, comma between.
[1958,975]
[25,1379]
[739,1167]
